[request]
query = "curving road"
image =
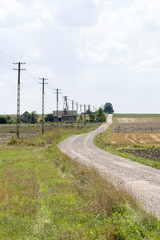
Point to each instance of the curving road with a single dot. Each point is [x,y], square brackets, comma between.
[142,181]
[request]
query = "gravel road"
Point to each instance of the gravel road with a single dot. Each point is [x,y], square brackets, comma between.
[142,181]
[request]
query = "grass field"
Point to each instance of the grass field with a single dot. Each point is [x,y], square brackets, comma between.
[136,138]
[46,195]
[7,131]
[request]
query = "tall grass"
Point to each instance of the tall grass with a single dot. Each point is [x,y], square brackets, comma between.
[47,195]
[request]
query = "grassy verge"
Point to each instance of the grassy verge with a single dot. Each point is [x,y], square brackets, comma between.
[46,195]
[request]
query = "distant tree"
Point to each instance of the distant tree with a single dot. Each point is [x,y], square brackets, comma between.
[33,117]
[100,115]
[6,119]
[81,117]
[108,108]
[3,119]
[29,117]
[91,117]
[49,117]
[88,111]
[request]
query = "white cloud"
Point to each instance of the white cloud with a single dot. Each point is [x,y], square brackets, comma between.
[108,50]
[77,43]
[77,13]
[7,7]
[153,63]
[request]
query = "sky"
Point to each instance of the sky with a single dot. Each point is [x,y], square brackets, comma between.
[95,51]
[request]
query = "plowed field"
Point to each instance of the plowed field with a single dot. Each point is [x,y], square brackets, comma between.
[140,134]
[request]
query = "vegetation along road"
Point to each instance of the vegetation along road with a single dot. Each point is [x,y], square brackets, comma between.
[142,181]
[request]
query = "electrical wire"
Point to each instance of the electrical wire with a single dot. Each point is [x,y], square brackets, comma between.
[7,81]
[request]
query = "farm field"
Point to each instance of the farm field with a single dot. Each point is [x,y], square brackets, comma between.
[134,136]
[46,195]
[7,131]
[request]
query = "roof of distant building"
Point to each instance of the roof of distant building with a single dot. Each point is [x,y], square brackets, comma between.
[63,113]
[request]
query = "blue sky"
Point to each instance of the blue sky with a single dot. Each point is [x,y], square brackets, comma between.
[96,51]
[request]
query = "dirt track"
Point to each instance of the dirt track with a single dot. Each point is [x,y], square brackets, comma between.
[142,181]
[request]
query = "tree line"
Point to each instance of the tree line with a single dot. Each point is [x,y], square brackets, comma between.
[33,117]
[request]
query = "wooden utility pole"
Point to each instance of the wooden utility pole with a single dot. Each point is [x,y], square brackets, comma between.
[43,83]
[57,100]
[18,96]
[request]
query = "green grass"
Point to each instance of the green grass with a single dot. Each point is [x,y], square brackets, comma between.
[46,195]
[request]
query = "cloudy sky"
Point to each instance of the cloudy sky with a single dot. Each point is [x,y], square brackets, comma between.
[96,51]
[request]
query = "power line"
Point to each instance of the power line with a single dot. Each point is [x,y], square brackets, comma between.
[10,66]
[7,81]
[8,56]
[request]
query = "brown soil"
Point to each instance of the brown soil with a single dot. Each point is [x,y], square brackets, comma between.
[149,153]
[136,127]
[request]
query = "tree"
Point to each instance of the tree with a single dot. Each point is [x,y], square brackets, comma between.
[6,119]
[108,108]
[100,115]
[91,117]
[3,119]
[33,117]
[49,117]
[27,117]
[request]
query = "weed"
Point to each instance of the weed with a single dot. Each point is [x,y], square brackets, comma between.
[46,195]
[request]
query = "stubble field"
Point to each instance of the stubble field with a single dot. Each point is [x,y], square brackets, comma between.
[138,136]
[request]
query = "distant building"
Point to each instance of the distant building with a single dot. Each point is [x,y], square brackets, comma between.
[24,117]
[65,116]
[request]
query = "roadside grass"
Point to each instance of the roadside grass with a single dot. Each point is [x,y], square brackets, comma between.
[108,141]
[46,195]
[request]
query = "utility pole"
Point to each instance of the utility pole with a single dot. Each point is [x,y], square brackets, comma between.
[84,114]
[73,102]
[18,96]
[43,83]
[66,107]
[77,107]
[57,99]
[80,108]
[72,105]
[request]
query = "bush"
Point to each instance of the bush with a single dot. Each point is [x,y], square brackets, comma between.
[91,117]
[100,115]
[29,117]
[6,119]
[49,117]
[3,119]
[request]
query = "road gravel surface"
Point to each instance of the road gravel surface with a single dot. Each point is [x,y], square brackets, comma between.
[141,181]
